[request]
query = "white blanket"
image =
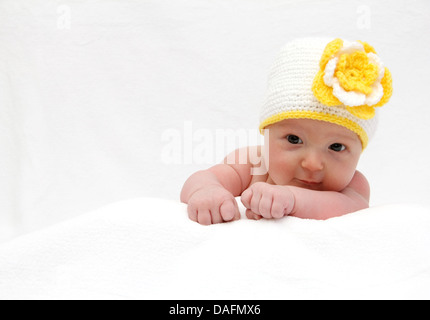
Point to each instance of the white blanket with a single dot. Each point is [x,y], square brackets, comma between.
[147,248]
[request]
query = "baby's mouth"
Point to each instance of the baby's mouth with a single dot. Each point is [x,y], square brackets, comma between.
[310,183]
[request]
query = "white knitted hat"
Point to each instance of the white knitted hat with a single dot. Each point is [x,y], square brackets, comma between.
[337,81]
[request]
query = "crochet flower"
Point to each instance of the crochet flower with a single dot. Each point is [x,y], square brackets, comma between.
[352,74]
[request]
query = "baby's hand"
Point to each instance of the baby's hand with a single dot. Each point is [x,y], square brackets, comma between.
[264,200]
[213,204]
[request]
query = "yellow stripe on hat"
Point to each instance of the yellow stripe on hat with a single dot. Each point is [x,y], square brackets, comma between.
[347,123]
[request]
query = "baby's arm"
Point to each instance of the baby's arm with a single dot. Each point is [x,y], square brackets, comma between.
[271,201]
[327,204]
[210,194]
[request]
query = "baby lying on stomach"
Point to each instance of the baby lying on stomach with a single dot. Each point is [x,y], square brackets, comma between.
[318,117]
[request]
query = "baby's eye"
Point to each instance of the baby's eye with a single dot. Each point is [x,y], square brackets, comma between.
[337,147]
[294,139]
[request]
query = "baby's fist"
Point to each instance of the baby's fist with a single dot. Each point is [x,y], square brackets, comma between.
[213,204]
[264,200]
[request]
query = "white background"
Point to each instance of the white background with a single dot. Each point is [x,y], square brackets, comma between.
[94,94]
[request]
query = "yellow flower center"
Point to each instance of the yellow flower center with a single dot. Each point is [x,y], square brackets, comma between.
[356,73]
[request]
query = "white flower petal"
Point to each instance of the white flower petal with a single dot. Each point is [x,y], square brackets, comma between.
[348,98]
[329,71]
[350,47]
[373,58]
[376,95]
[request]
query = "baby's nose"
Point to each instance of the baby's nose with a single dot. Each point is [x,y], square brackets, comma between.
[313,161]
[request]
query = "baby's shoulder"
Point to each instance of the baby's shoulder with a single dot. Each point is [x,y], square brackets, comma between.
[249,164]
[250,156]
[360,185]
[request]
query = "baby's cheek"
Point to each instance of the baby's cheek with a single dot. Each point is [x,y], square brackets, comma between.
[280,175]
[339,183]
[280,169]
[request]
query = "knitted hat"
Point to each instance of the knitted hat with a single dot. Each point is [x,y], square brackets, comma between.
[337,81]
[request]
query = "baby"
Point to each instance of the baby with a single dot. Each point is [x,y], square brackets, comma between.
[318,117]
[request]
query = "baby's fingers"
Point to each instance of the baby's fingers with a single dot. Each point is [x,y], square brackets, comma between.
[216,215]
[246,198]
[192,212]
[252,215]
[204,217]
[229,210]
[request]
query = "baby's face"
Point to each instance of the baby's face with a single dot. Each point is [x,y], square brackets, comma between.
[312,154]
